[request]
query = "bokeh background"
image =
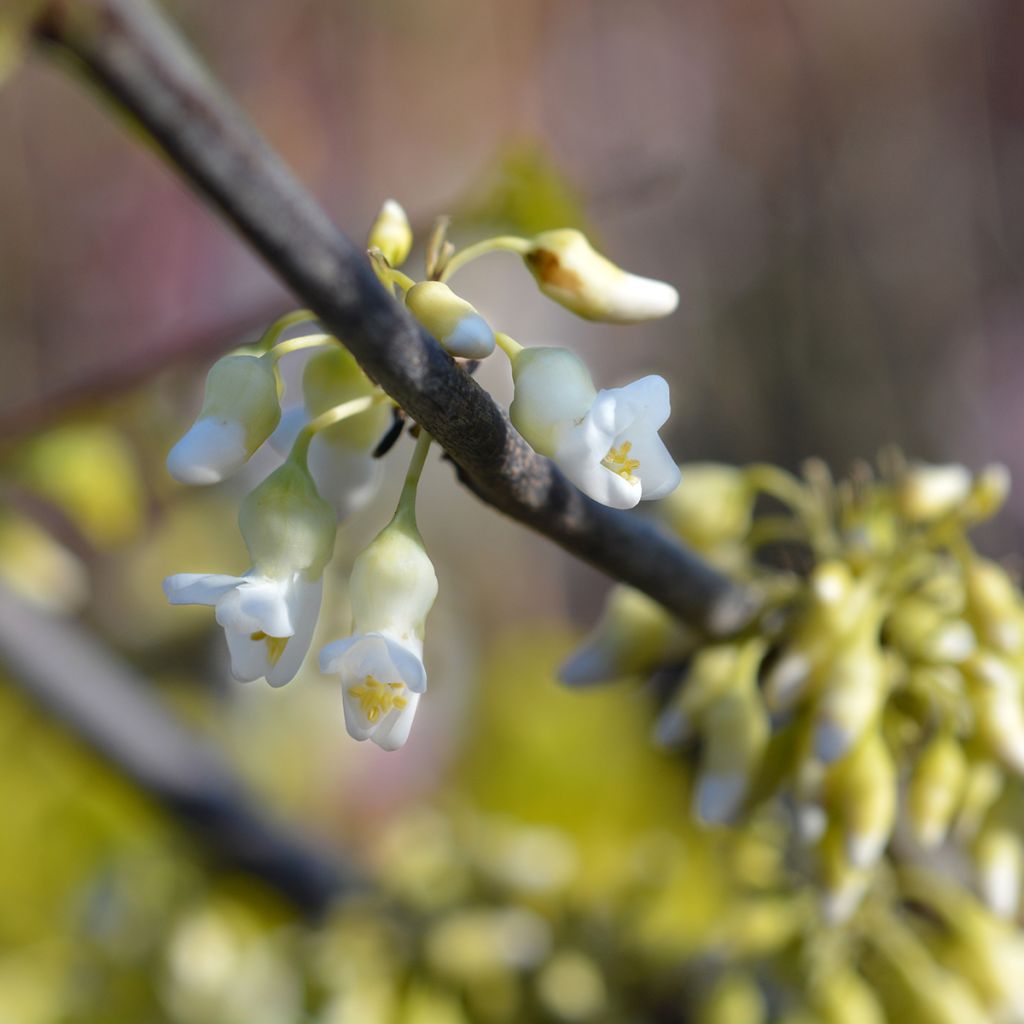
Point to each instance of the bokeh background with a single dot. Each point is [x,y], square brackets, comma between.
[834,189]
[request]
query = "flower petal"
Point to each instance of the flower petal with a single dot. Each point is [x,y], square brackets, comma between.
[211,450]
[394,730]
[658,472]
[345,477]
[258,605]
[304,605]
[198,587]
[249,658]
[293,419]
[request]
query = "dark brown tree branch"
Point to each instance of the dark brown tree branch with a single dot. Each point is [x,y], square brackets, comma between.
[133,54]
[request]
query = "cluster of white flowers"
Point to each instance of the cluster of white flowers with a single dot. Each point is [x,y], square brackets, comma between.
[606,442]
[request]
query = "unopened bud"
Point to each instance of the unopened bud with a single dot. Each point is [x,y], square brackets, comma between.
[733,998]
[287,527]
[989,493]
[734,730]
[994,688]
[843,884]
[923,633]
[999,863]
[714,507]
[935,789]
[853,691]
[569,270]
[634,636]
[240,411]
[930,492]
[842,996]
[393,583]
[460,329]
[995,605]
[553,388]
[391,233]
[861,792]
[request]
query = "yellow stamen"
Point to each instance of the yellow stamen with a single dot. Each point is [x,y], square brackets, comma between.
[376,699]
[618,461]
[275,645]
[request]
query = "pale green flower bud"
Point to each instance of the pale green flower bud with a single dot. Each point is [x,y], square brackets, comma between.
[391,233]
[973,945]
[288,528]
[994,687]
[853,691]
[999,865]
[569,270]
[984,783]
[843,884]
[240,411]
[331,377]
[460,329]
[923,633]
[393,583]
[930,492]
[835,604]
[734,731]
[711,673]
[861,794]
[990,491]
[842,996]
[935,790]
[553,387]
[995,605]
[714,508]
[634,636]
[734,998]
[925,991]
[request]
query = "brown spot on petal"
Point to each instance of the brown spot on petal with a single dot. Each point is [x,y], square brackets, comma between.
[548,268]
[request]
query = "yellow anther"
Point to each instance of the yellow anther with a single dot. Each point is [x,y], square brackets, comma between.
[275,645]
[376,699]
[618,461]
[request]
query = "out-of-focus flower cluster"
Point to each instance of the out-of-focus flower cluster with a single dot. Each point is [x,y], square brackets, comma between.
[872,715]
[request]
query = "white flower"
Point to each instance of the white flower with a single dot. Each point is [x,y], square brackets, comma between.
[240,411]
[268,622]
[615,455]
[570,271]
[382,678]
[270,612]
[606,442]
[392,587]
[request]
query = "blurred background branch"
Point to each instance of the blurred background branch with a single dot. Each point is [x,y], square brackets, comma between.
[135,57]
[108,705]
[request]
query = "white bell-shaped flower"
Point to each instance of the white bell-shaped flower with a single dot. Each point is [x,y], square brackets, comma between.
[392,589]
[268,621]
[269,613]
[240,411]
[460,329]
[606,442]
[569,270]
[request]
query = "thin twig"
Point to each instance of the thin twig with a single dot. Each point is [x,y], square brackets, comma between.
[127,48]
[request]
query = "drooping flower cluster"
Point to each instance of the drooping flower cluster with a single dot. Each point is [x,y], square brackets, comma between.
[877,702]
[606,442]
